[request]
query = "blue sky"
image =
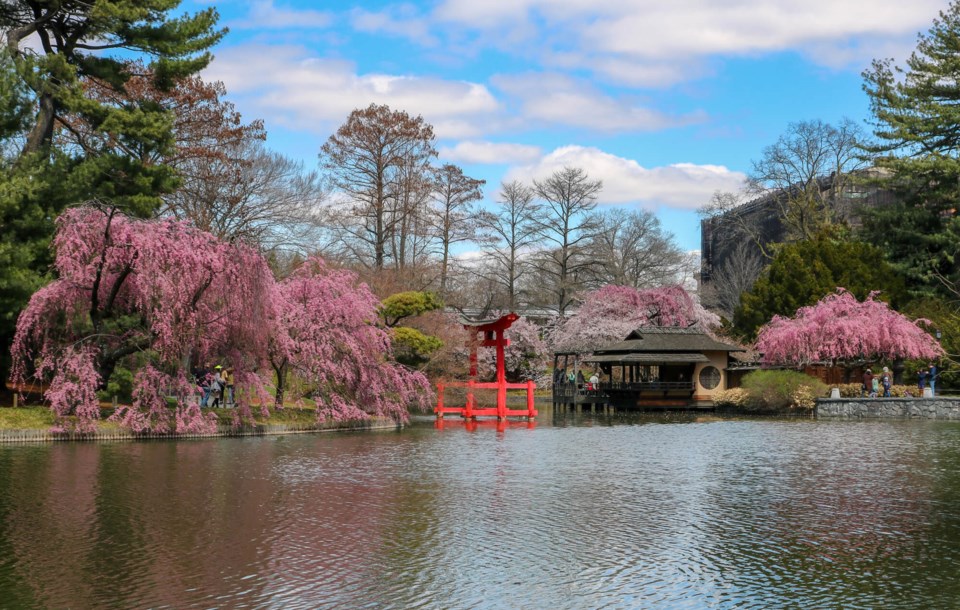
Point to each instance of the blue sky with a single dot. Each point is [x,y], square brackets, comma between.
[666,101]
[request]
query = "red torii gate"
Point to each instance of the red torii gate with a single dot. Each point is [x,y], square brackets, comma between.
[487,333]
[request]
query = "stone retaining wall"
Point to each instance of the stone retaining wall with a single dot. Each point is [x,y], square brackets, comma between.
[890,408]
[47,436]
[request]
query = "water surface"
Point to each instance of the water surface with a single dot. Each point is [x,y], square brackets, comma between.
[657,512]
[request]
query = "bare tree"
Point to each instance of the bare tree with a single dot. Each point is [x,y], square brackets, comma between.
[230,184]
[454,216]
[512,232]
[411,239]
[368,158]
[809,169]
[630,248]
[565,225]
[735,276]
[251,194]
[730,219]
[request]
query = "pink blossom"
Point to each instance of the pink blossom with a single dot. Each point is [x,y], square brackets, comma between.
[525,358]
[841,329]
[611,313]
[325,333]
[174,295]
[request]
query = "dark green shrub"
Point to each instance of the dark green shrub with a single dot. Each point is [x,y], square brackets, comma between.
[119,386]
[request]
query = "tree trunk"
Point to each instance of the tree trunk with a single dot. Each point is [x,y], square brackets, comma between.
[281,372]
[42,133]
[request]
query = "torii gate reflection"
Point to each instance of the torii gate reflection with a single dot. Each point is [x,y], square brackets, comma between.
[488,333]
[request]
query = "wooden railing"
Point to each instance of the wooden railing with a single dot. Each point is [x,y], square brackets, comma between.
[569,390]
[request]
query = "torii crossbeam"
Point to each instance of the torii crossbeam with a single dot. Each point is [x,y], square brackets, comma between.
[488,333]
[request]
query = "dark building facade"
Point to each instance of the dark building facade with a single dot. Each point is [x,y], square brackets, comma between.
[761,220]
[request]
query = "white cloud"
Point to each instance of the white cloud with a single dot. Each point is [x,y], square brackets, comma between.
[681,185]
[559,99]
[402,21]
[656,43]
[702,28]
[288,85]
[490,152]
[264,15]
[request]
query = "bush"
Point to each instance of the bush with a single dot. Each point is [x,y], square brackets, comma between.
[782,391]
[412,347]
[803,398]
[854,390]
[850,390]
[734,398]
[903,391]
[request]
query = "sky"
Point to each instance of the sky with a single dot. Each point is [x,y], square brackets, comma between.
[665,101]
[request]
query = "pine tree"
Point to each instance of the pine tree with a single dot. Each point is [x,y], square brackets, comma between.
[53,50]
[916,114]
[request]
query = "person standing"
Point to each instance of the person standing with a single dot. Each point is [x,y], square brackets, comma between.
[228,398]
[216,386]
[594,381]
[203,378]
[932,374]
[921,380]
[886,382]
[867,386]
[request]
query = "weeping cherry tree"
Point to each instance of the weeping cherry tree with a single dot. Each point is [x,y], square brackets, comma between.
[613,312]
[839,329]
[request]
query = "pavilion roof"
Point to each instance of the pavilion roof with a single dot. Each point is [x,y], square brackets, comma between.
[649,358]
[660,339]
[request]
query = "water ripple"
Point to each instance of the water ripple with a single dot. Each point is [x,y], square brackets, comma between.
[659,512]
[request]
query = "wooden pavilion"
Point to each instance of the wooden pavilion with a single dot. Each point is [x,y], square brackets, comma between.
[652,368]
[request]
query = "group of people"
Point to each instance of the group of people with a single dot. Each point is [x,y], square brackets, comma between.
[216,385]
[561,376]
[927,379]
[873,385]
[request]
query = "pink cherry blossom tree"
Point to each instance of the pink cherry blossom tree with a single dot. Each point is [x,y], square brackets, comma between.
[172,295]
[611,313]
[839,329]
[325,333]
[161,290]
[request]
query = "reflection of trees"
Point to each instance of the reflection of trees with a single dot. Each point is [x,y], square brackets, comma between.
[770,514]
[151,523]
[22,464]
[844,518]
[409,546]
[49,516]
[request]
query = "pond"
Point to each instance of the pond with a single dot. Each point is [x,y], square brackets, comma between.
[646,512]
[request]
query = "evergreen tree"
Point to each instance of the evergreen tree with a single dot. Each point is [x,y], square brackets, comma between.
[52,51]
[916,114]
[804,272]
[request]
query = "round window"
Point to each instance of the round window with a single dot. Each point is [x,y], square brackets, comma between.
[709,377]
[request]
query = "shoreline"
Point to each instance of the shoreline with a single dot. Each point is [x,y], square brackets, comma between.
[15,436]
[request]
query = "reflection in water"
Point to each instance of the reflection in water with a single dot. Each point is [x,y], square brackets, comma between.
[577,512]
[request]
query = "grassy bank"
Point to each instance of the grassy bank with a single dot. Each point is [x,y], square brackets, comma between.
[42,418]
